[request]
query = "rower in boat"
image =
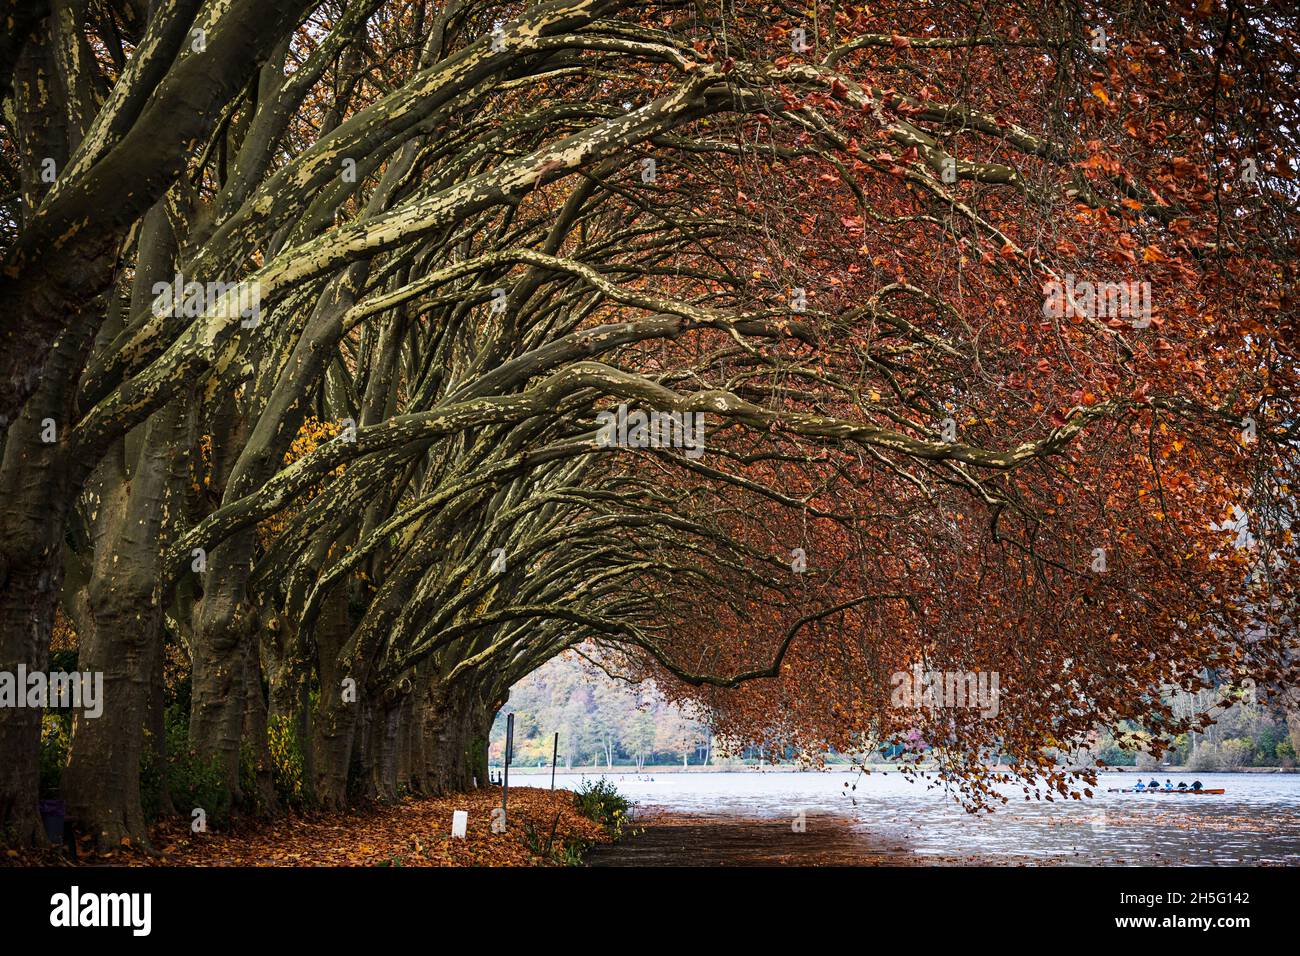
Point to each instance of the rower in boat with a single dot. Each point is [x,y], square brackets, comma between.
[1195,789]
[1153,785]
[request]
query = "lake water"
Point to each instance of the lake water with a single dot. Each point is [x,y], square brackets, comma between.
[1256,822]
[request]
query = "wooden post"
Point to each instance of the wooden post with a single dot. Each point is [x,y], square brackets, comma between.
[505,779]
[555,752]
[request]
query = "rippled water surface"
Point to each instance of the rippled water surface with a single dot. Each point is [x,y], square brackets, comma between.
[1256,822]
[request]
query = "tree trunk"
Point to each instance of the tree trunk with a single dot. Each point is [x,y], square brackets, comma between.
[27,599]
[420,702]
[384,737]
[333,722]
[123,640]
[227,620]
[405,717]
[122,631]
[364,749]
[221,637]
[37,485]
[254,736]
[456,736]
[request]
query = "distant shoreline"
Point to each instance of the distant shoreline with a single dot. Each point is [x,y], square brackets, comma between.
[832,768]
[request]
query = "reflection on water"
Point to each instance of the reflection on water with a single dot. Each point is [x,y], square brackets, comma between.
[1256,821]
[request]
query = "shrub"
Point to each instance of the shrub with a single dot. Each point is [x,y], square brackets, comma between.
[600,800]
[286,761]
[248,784]
[152,779]
[546,849]
[55,735]
[192,781]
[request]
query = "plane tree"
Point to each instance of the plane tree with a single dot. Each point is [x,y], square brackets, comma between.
[852,243]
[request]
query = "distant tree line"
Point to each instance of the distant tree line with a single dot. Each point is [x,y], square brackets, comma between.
[601,721]
[1246,733]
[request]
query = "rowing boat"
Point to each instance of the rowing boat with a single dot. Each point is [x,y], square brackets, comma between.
[1186,793]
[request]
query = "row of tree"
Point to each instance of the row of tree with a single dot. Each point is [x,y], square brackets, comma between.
[309,311]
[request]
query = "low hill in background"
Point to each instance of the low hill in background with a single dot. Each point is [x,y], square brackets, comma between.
[601,721]
[607,722]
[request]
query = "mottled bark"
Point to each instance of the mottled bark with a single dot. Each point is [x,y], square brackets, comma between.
[457,726]
[173,102]
[122,639]
[120,632]
[36,482]
[388,779]
[334,721]
[383,763]
[403,764]
[254,745]
[226,620]
[222,636]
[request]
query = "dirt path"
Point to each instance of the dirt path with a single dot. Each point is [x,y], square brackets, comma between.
[678,839]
